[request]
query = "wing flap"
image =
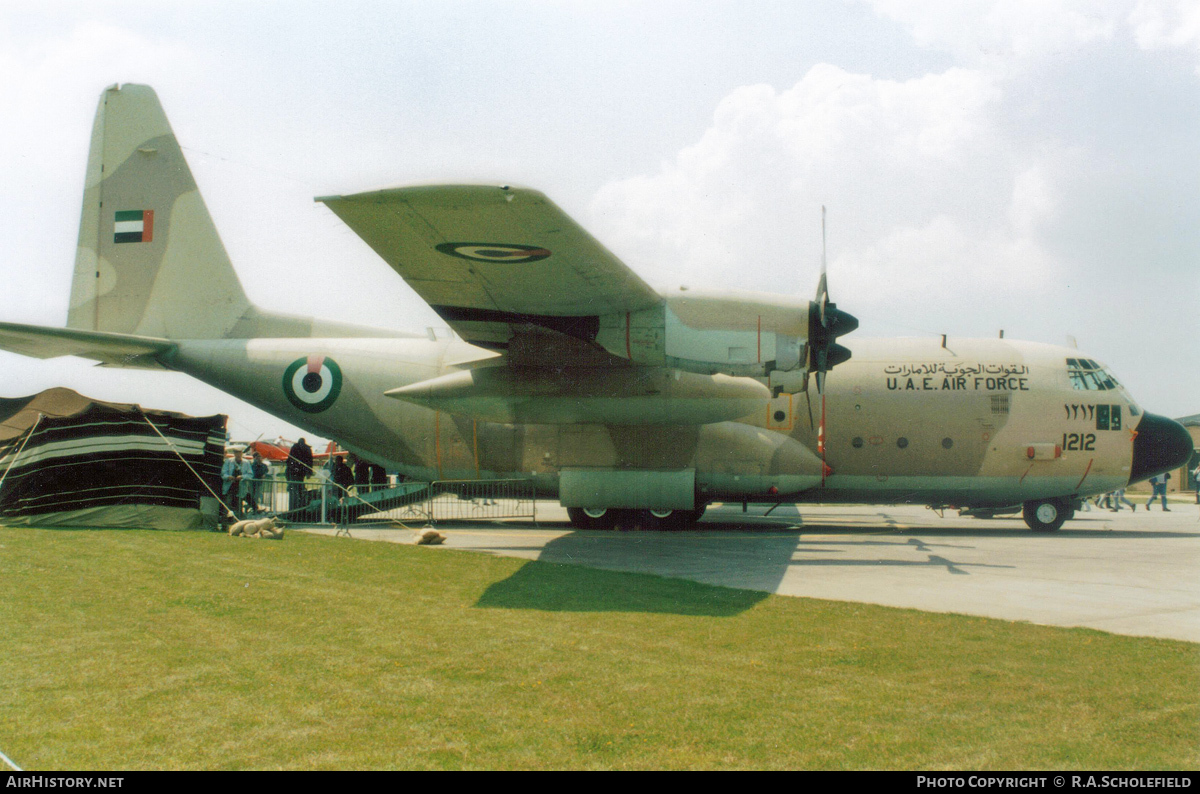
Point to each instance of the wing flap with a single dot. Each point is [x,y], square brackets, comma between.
[111,349]
[479,254]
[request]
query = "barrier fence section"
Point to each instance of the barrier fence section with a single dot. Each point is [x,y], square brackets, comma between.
[269,496]
[458,500]
[320,502]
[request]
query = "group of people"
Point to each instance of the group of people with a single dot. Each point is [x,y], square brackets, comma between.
[1158,484]
[1113,501]
[363,476]
[241,482]
[242,479]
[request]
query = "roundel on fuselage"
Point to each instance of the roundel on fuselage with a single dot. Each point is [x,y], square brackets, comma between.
[312,383]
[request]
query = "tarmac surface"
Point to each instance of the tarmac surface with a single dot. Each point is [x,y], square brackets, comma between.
[1127,572]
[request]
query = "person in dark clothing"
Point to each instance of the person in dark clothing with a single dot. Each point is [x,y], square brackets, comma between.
[1159,483]
[362,474]
[259,471]
[235,481]
[298,467]
[342,476]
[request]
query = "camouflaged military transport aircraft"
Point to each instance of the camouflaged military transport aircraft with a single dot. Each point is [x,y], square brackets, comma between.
[568,368]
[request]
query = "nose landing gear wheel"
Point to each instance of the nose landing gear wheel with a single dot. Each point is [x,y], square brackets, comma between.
[1046,515]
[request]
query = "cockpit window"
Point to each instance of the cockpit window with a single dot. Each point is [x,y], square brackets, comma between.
[1087,375]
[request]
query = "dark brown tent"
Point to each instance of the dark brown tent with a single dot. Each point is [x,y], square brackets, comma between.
[69,460]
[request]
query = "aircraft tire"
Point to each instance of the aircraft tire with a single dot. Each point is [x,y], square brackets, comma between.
[588,518]
[663,519]
[1046,515]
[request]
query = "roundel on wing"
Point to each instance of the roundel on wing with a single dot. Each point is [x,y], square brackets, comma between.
[495,252]
[313,383]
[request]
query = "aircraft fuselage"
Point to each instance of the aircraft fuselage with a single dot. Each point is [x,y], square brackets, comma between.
[974,423]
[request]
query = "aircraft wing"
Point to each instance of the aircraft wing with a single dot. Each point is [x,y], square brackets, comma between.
[117,350]
[491,260]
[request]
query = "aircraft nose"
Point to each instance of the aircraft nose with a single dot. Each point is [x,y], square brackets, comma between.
[1162,444]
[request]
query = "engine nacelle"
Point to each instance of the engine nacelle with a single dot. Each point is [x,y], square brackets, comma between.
[738,334]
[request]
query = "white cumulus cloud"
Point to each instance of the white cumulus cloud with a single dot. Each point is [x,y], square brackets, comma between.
[926,196]
[1167,24]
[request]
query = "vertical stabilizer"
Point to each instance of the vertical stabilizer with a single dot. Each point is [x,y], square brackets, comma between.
[149,260]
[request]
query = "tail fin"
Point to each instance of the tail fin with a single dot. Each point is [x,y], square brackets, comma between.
[149,260]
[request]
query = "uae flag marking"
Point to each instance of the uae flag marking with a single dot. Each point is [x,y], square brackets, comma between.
[133,226]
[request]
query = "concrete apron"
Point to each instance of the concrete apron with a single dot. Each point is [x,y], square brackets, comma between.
[1128,572]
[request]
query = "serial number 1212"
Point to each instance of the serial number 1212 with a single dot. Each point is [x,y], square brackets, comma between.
[1080,441]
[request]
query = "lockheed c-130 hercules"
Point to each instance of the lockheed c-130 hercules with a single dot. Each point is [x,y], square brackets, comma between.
[568,368]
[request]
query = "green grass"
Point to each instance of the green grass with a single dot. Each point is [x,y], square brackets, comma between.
[124,649]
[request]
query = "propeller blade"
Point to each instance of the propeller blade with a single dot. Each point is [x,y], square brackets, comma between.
[821,432]
[825,324]
[825,470]
[822,298]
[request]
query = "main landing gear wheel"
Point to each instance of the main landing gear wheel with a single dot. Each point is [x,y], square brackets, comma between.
[592,518]
[664,519]
[1046,515]
[601,518]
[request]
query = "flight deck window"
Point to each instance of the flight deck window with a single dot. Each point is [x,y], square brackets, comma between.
[1087,375]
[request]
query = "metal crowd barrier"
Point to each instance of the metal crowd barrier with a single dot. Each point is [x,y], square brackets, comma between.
[269,496]
[458,500]
[277,496]
[406,502]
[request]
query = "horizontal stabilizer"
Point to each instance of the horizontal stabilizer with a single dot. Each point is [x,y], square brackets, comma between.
[116,350]
[632,396]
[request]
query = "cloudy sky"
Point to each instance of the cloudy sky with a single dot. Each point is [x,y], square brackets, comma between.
[1032,166]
